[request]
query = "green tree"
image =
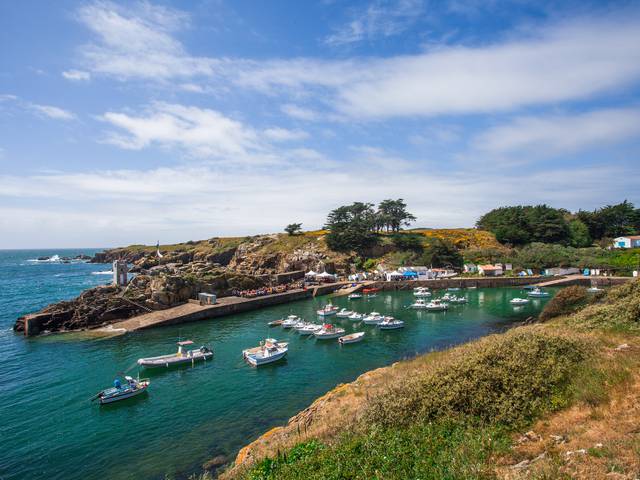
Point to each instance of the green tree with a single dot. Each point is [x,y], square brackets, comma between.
[351,227]
[393,215]
[293,228]
[612,220]
[441,253]
[579,234]
[408,241]
[520,225]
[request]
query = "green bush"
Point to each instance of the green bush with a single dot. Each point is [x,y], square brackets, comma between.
[619,311]
[566,301]
[507,379]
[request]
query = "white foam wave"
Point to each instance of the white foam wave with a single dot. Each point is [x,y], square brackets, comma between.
[53,258]
[104,272]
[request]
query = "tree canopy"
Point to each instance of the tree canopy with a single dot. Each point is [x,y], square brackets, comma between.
[520,225]
[611,221]
[293,228]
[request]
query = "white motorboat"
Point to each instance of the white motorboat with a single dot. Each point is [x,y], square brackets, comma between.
[328,310]
[351,338]
[519,301]
[458,300]
[390,323]
[594,290]
[421,292]
[537,293]
[328,332]
[373,318]
[309,329]
[355,316]
[131,388]
[179,358]
[453,289]
[371,295]
[436,305]
[344,313]
[269,351]
[419,303]
[354,296]
[291,321]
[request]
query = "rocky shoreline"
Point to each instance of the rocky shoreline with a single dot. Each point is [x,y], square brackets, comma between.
[179,272]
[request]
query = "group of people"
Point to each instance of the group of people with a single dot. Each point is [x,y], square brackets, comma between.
[260,292]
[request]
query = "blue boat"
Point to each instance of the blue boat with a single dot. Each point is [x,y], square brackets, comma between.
[119,391]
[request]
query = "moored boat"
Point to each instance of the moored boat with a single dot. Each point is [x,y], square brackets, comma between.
[458,300]
[390,323]
[351,338]
[131,388]
[328,310]
[181,357]
[290,321]
[276,323]
[269,351]
[354,296]
[344,313]
[309,329]
[538,293]
[328,332]
[436,305]
[355,316]
[419,303]
[519,301]
[373,318]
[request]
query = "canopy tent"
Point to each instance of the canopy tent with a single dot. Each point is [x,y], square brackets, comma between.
[410,273]
[310,273]
[325,275]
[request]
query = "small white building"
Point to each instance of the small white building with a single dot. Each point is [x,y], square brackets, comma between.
[470,268]
[490,270]
[631,241]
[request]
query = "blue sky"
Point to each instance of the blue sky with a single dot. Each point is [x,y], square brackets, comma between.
[136,121]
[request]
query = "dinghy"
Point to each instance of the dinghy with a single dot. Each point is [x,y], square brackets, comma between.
[436,305]
[537,293]
[519,301]
[131,388]
[269,351]
[354,296]
[355,316]
[276,323]
[178,358]
[373,318]
[344,313]
[351,338]
[328,310]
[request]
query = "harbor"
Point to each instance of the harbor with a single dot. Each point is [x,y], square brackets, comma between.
[214,407]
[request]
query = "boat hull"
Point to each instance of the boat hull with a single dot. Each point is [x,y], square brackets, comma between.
[126,394]
[258,361]
[353,338]
[168,361]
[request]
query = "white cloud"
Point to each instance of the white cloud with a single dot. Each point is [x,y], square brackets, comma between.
[52,112]
[176,204]
[382,18]
[76,75]
[299,113]
[137,42]
[283,135]
[198,131]
[560,134]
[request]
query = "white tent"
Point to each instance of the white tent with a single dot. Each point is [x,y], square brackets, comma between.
[325,275]
[310,273]
[393,275]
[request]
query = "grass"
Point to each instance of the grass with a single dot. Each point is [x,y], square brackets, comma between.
[453,414]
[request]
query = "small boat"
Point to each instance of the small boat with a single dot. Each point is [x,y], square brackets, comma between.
[473,287]
[328,332]
[178,358]
[436,305]
[422,292]
[328,310]
[290,321]
[370,290]
[276,323]
[537,293]
[453,289]
[371,295]
[351,338]
[390,323]
[269,351]
[458,300]
[344,313]
[131,388]
[309,329]
[420,303]
[354,296]
[373,318]
[355,316]
[519,301]
[594,290]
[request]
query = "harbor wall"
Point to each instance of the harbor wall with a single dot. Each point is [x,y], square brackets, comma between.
[484,282]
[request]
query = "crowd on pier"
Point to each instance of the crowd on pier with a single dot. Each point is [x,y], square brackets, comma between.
[259,292]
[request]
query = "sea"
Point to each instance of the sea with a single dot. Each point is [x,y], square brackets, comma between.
[50,429]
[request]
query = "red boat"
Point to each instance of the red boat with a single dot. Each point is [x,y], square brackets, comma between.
[370,290]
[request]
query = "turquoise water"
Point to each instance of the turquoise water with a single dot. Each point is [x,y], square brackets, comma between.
[49,429]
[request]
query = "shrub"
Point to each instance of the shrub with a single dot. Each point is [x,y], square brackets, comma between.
[620,311]
[566,301]
[508,379]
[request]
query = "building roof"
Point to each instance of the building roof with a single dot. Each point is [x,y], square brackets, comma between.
[489,267]
[630,237]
